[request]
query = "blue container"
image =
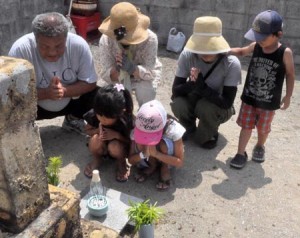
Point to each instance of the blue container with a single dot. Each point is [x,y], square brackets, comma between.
[97,205]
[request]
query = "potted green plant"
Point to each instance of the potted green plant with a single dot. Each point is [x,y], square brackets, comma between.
[53,169]
[144,215]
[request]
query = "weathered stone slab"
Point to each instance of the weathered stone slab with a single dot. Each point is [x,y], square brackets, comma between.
[17,92]
[23,181]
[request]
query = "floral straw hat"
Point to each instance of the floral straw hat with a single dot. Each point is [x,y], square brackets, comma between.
[207,37]
[126,24]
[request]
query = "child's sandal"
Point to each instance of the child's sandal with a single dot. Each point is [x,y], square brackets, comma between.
[123,177]
[140,177]
[163,185]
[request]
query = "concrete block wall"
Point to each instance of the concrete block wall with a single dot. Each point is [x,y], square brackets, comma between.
[237,17]
[16,17]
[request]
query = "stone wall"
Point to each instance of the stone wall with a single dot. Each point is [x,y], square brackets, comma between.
[237,17]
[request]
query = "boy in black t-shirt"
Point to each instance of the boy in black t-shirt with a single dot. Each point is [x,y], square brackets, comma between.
[271,62]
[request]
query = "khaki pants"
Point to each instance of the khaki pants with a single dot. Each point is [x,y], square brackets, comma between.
[210,117]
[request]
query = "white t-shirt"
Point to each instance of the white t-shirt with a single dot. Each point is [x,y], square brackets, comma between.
[174,130]
[75,64]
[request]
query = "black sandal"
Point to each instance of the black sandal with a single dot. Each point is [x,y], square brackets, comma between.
[239,161]
[140,177]
[163,185]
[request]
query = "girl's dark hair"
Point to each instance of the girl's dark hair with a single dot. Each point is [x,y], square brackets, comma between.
[110,102]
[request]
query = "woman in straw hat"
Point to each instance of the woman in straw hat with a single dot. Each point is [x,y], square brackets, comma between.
[205,83]
[128,51]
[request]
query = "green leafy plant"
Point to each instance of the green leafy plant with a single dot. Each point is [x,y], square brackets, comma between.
[143,213]
[53,169]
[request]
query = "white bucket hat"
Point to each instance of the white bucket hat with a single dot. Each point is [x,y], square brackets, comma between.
[207,37]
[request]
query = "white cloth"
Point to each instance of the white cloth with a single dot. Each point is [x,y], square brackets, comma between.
[76,64]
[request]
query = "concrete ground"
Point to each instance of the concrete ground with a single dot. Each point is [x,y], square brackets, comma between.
[207,197]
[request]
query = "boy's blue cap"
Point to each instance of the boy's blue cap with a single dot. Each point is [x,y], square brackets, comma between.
[264,24]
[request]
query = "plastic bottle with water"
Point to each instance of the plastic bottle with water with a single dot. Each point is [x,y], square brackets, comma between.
[97,202]
[96,187]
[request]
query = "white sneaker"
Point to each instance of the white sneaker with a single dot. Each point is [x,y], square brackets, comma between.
[77,125]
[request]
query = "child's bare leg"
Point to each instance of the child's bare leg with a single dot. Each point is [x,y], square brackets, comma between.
[165,178]
[97,148]
[117,150]
[152,167]
[144,173]
[261,138]
[165,173]
[244,138]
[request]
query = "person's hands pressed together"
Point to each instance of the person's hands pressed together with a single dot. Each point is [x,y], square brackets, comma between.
[56,90]
[125,63]
[194,72]
[90,130]
[108,134]
[146,152]
[128,65]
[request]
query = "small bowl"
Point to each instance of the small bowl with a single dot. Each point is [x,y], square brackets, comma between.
[97,205]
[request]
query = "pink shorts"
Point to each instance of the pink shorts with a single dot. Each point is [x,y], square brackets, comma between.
[249,117]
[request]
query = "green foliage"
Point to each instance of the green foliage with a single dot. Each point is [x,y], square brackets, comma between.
[53,169]
[143,213]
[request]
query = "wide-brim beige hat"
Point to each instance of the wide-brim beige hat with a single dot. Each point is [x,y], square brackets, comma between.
[207,37]
[126,24]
